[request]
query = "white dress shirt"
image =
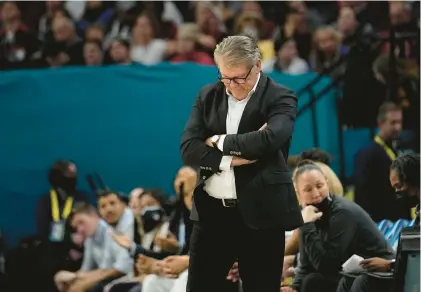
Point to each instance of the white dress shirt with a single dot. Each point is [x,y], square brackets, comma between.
[222,185]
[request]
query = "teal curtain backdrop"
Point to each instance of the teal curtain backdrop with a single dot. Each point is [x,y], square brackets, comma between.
[124,122]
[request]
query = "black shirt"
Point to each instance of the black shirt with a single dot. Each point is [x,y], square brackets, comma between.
[342,232]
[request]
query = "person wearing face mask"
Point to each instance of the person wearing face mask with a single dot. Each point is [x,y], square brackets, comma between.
[371,167]
[63,248]
[54,208]
[334,229]
[405,179]
[157,241]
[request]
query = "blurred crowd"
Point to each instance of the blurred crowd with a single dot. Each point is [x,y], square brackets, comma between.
[294,36]
[344,39]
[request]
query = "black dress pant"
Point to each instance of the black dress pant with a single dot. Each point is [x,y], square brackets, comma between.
[220,239]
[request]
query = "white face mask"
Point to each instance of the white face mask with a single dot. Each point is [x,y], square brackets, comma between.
[251,32]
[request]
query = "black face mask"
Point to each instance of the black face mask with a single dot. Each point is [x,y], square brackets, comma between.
[323,206]
[67,184]
[410,201]
[152,217]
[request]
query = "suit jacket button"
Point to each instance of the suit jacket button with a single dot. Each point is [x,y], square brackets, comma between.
[204,177]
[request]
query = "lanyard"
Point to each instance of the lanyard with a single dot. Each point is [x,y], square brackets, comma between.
[386,148]
[55,211]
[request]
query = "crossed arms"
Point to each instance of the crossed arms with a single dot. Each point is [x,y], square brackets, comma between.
[251,146]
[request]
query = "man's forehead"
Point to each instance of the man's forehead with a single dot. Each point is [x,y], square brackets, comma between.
[394,115]
[232,72]
[108,198]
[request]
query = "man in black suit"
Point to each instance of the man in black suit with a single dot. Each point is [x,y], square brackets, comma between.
[244,200]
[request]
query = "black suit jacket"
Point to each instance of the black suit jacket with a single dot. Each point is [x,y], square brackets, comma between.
[265,194]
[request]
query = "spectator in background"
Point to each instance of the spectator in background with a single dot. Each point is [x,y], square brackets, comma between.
[295,26]
[169,273]
[146,47]
[95,12]
[134,201]
[324,243]
[312,16]
[287,60]
[113,210]
[64,249]
[119,52]
[327,51]
[251,23]
[187,39]
[401,18]
[157,241]
[103,260]
[95,32]
[405,179]
[371,168]
[92,53]
[66,38]
[53,8]
[56,206]
[408,95]
[18,44]
[210,24]
[353,33]
[172,275]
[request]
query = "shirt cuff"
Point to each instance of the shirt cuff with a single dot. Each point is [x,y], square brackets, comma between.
[221,142]
[225,163]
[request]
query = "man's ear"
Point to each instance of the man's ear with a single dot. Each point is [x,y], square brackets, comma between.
[259,66]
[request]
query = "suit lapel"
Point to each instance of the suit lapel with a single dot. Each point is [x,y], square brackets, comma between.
[252,106]
[222,113]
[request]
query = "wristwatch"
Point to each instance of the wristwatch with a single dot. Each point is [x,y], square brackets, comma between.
[214,140]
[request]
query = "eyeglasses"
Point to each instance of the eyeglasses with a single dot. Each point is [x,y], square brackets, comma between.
[236,80]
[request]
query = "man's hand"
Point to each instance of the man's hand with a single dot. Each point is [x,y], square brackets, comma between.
[186,176]
[173,266]
[122,240]
[376,265]
[82,275]
[170,243]
[288,289]
[209,142]
[236,161]
[147,265]
[311,214]
[234,274]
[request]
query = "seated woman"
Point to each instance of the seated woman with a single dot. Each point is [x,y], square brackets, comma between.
[334,229]
[405,179]
[321,159]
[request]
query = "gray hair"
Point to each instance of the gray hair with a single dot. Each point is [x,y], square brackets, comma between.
[237,49]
